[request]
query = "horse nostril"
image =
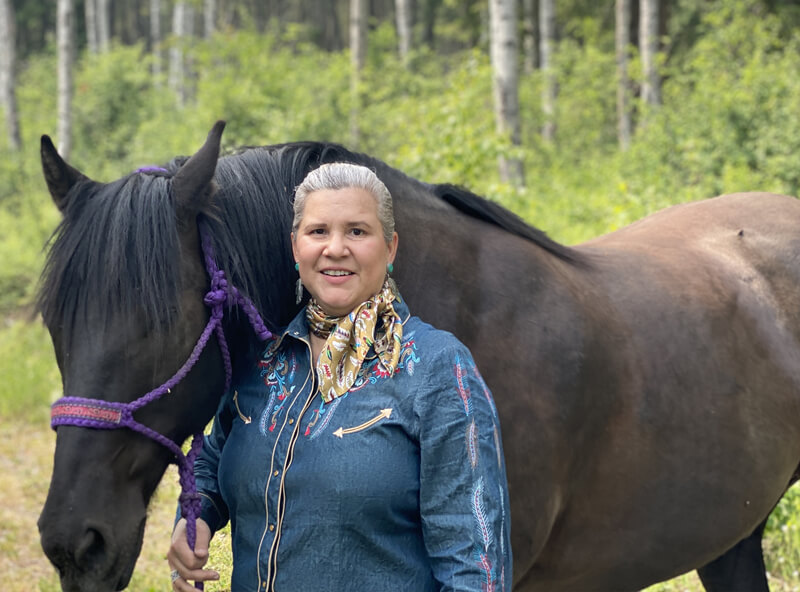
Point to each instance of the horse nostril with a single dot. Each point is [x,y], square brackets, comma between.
[90,550]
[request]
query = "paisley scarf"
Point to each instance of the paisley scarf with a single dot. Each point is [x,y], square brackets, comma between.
[348,340]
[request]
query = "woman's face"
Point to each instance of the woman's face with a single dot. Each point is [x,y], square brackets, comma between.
[341,249]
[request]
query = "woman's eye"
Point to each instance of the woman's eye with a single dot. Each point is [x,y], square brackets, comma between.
[357,232]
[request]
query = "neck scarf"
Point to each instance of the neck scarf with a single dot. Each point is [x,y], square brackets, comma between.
[349,338]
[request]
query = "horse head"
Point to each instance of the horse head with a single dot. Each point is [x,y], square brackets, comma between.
[122,295]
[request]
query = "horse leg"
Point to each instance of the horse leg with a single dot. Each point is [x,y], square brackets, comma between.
[740,569]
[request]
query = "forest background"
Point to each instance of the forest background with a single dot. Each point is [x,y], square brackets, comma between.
[726,119]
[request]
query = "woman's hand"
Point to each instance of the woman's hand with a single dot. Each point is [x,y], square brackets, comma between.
[189,564]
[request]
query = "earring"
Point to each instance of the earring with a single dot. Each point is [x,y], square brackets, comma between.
[298,289]
[390,268]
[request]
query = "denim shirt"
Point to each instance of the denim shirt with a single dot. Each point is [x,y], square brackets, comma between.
[397,485]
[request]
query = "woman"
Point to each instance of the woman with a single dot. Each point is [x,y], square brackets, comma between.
[363,452]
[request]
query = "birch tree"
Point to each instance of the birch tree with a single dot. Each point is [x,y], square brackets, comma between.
[622,42]
[155,39]
[66,48]
[8,98]
[182,19]
[103,25]
[209,18]
[90,18]
[648,49]
[505,82]
[404,28]
[358,56]
[547,35]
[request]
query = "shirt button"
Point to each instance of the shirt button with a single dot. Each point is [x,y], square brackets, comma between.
[276,473]
[291,421]
[271,527]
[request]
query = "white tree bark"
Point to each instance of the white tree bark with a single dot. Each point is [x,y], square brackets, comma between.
[547,36]
[358,57]
[505,82]
[7,74]
[209,18]
[103,25]
[90,16]
[66,47]
[155,39]
[622,42]
[404,28]
[182,25]
[648,49]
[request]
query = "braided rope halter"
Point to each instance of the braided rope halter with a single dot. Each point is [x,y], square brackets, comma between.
[110,415]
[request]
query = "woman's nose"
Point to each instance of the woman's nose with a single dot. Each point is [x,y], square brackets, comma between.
[336,246]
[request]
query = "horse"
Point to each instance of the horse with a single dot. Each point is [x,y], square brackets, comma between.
[647,381]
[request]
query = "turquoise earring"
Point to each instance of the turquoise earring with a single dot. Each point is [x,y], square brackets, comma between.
[390,268]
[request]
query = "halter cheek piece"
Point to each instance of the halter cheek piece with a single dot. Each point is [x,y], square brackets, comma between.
[109,415]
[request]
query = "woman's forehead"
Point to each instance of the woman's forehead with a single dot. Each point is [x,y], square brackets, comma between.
[341,204]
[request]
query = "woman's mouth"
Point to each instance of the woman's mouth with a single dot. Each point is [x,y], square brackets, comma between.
[336,272]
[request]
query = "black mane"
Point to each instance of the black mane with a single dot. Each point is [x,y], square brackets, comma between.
[117,250]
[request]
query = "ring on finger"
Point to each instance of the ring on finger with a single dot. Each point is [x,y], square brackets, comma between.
[174,575]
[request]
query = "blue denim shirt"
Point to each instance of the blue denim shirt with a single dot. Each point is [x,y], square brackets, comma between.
[398,485]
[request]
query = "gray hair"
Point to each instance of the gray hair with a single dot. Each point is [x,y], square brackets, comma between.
[341,175]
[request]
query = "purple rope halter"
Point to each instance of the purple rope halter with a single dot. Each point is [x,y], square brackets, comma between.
[109,415]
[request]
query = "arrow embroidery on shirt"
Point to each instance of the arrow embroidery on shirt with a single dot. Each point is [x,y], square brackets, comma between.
[385,413]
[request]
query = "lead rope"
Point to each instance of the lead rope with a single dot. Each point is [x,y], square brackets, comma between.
[99,414]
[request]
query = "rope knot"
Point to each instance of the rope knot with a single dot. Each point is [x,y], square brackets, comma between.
[216,297]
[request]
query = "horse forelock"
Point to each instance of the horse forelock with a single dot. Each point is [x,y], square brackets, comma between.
[114,255]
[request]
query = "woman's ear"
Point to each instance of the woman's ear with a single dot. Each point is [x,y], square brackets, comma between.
[393,248]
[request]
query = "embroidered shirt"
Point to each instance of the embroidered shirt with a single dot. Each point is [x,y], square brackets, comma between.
[398,485]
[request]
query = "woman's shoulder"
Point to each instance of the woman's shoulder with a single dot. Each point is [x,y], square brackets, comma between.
[437,343]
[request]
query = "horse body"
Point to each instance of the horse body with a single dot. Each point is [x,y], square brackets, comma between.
[655,383]
[646,381]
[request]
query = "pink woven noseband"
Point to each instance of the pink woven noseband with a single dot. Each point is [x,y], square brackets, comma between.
[109,415]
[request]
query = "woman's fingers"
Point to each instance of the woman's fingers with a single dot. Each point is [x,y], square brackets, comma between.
[187,562]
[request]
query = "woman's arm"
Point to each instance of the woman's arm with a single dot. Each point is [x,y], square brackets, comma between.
[463,489]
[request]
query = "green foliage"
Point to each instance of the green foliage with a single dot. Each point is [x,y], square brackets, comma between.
[30,377]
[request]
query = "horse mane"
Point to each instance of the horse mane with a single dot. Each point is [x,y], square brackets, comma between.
[493,213]
[307,155]
[117,248]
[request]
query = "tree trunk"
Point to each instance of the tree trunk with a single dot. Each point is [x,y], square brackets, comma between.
[90,15]
[155,39]
[103,25]
[505,82]
[622,42]
[66,48]
[648,48]
[358,56]
[176,59]
[529,47]
[547,36]
[7,75]
[429,22]
[404,28]
[209,18]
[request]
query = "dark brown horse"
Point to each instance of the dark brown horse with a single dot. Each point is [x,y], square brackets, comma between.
[648,381]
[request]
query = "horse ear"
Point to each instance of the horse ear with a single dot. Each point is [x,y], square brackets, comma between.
[190,183]
[59,175]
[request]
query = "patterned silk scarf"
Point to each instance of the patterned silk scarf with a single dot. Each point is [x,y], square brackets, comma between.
[349,338]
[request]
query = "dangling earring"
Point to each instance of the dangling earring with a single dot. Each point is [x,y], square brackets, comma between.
[390,279]
[298,290]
